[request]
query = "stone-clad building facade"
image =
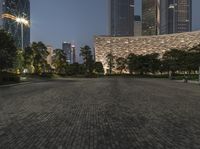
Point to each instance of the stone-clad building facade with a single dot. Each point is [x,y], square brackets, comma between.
[123,46]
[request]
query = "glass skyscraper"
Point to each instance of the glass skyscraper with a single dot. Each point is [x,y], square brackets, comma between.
[180,16]
[166,16]
[149,17]
[121,17]
[9,11]
[67,48]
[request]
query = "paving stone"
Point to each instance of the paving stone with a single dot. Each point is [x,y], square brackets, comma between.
[115,113]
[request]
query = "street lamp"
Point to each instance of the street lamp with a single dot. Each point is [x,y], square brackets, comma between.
[22,22]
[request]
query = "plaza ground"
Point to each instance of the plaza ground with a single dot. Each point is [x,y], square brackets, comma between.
[105,113]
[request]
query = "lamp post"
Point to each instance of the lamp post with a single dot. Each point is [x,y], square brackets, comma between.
[22,22]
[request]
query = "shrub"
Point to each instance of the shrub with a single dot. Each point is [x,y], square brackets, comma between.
[9,77]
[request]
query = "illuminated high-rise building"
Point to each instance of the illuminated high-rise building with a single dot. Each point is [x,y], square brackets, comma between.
[149,17]
[10,10]
[166,16]
[73,53]
[67,48]
[179,16]
[121,17]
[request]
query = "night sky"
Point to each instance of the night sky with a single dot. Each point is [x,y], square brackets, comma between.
[55,21]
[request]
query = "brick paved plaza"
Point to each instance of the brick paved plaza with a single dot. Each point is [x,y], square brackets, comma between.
[100,114]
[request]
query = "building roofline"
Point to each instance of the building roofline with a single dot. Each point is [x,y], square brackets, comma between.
[153,36]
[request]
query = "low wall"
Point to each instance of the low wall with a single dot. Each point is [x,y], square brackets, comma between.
[123,46]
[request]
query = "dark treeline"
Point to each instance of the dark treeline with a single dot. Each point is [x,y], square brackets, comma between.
[174,61]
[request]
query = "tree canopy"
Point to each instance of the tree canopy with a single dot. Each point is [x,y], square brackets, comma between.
[8,51]
[86,53]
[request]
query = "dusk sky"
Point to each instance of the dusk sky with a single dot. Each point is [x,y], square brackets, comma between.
[55,21]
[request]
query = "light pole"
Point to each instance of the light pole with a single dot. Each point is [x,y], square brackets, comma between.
[22,22]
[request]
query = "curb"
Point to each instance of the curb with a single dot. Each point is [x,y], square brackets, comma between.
[189,82]
[14,84]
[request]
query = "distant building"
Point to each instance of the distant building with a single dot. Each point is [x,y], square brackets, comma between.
[137,26]
[70,51]
[166,16]
[73,54]
[179,16]
[10,10]
[124,46]
[121,17]
[67,47]
[149,17]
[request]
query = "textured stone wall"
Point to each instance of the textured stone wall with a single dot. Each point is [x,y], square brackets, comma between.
[123,46]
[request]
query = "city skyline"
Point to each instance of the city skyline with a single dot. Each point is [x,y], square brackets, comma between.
[166,16]
[76,22]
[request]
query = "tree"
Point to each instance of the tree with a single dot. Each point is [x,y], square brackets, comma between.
[88,59]
[131,62]
[40,57]
[175,60]
[121,64]
[60,61]
[19,61]
[8,51]
[98,67]
[74,69]
[142,64]
[148,63]
[29,59]
[153,62]
[195,57]
[110,60]
[171,60]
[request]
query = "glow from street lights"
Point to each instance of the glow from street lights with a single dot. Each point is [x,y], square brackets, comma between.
[22,20]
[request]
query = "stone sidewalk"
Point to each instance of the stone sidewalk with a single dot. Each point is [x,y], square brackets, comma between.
[100,114]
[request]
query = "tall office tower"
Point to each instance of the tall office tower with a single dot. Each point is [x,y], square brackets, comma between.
[67,47]
[149,17]
[179,16]
[166,16]
[73,53]
[121,17]
[137,26]
[10,10]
